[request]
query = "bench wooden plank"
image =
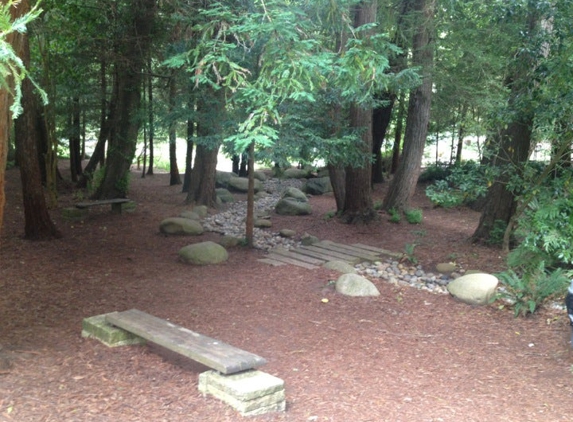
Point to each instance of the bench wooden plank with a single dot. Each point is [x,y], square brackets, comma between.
[331,246]
[115,204]
[213,353]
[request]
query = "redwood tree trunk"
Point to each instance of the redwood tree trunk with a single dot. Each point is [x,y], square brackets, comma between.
[202,188]
[126,125]
[38,224]
[175,177]
[381,117]
[358,205]
[404,182]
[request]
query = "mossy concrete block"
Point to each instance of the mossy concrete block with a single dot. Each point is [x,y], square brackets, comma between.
[74,214]
[96,327]
[250,392]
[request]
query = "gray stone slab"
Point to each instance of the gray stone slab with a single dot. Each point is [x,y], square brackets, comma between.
[96,327]
[250,392]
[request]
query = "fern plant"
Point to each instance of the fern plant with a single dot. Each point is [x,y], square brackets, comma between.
[534,287]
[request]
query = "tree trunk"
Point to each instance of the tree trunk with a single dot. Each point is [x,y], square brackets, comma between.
[188,157]
[250,223]
[6,100]
[338,181]
[75,140]
[105,116]
[511,145]
[126,124]
[358,205]
[175,177]
[150,118]
[381,117]
[499,204]
[38,224]
[203,178]
[404,183]
[398,134]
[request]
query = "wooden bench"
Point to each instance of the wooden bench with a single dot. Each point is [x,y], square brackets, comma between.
[115,204]
[210,352]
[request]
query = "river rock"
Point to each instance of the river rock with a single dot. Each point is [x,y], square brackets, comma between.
[318,186]
[241,184]
[292,206]
[446,268]
[294,173]
[340,266]
[355,285]
[192,215]
[180,226]
[224,195]
[287,233]
[474,289]
[203,253]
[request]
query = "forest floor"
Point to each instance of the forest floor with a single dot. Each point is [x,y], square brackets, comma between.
[407,355]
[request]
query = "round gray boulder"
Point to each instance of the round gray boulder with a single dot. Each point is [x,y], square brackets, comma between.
[180,226]
[241,184]
[294,173]
[225,196]
[355,285]
[340,266]
[474,289]
[318,186]
[204,253]
[292,206]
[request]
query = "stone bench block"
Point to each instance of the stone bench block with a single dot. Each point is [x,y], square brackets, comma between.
[97,327]
[250,393]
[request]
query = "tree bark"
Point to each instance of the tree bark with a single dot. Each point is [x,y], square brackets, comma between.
[38,224]
[404,182]
[75,140]
[358,205]
[122,144]
[175,177]
[381,117]
[188,155]
[203,178]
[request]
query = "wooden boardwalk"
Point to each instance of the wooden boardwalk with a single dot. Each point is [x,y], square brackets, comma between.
[314,256]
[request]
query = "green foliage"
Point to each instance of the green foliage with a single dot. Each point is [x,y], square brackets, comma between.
[533,287]
[276,56]
[95,180]
[409,253]
[413,215]
[497,232]
[437,171]
[395,216]
[464,184]
[11,66]
[546,225]
[329,215]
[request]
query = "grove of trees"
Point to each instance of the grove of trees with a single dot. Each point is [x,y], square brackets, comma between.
[362,85]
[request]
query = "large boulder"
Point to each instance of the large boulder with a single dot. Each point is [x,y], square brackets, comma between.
[291,206]
[181,226]
[225,196]
[241,184]
[340,266]
[318,186]
[474,289]
[293,202]
[355,285]
[222,178]
[204,253]
[295,193]
[294,173]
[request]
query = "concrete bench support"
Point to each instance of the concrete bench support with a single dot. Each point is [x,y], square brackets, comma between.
[250,392]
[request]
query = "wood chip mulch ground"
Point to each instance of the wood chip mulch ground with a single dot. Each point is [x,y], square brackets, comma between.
[407,355]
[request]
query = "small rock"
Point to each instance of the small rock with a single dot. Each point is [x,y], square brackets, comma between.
[446,268]
[287,233]
[355,285]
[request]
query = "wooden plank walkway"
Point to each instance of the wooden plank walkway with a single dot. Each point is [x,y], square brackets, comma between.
[311,257]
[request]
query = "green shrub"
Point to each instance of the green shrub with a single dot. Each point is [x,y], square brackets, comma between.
[395,216]
[464,184]
[497,233]
[434,172]
[413,216]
